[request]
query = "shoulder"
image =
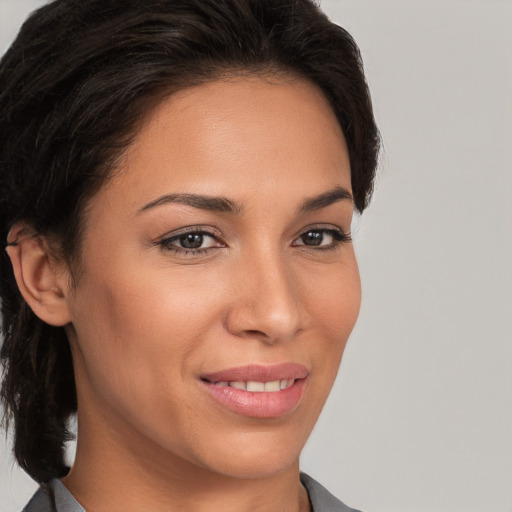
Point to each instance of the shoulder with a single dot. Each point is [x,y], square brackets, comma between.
[321,499]
[53,497]
[42,501]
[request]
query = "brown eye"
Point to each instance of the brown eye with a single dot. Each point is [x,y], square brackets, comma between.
[322,238]
[191,240]
[312,237]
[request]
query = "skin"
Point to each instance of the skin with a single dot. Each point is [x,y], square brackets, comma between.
[145,322]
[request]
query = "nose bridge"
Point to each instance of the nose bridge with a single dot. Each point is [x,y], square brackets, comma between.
[268,301]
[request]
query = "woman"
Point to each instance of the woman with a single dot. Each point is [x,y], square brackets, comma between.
[178,180]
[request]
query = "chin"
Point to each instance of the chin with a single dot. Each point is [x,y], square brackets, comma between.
[260,467]
[257,456]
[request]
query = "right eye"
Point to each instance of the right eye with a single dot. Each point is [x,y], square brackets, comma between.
[191,242]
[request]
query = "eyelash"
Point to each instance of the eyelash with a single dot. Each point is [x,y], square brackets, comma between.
[339,238]
[167,243]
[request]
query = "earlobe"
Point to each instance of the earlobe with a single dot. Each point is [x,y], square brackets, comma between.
[41,284]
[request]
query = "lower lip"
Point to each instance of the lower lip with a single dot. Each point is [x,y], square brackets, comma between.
[258,405]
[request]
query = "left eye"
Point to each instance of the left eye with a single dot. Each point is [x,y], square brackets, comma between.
[321,238]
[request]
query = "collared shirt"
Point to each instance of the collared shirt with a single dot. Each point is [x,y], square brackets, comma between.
[55,497]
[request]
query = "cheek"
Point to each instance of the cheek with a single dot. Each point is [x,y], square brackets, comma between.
[138,342]
[334,297]
[334,305]
[136,327]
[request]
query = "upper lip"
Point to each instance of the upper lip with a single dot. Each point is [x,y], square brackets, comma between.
[259,373]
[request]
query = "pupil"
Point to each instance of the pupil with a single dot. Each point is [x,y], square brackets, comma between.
[191,241]
[312,238]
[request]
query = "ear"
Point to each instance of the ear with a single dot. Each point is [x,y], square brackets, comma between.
[42,282]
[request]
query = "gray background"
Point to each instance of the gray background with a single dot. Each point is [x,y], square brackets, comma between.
[421,415]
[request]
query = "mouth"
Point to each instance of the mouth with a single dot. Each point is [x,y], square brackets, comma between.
[254,386]
[258,391]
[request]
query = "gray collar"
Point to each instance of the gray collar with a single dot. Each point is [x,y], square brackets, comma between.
[55,497]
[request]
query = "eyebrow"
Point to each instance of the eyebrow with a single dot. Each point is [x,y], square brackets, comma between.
[214,204]
[225,205]
[327,198]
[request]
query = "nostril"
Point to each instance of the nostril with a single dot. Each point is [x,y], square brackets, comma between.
[255,332]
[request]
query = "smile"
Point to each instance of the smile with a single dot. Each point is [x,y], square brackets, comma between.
[258,391]
[258,387]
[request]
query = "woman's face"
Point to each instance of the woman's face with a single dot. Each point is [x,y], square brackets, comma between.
[219,285]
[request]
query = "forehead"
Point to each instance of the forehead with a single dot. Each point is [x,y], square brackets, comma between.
[231,137]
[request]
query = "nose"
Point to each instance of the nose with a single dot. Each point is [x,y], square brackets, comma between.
[266,304]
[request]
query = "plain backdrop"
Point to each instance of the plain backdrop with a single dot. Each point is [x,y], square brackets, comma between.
[420,418]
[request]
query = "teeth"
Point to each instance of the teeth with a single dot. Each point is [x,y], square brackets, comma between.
[258,387]
[254,386]
[238,385]
[273,386]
